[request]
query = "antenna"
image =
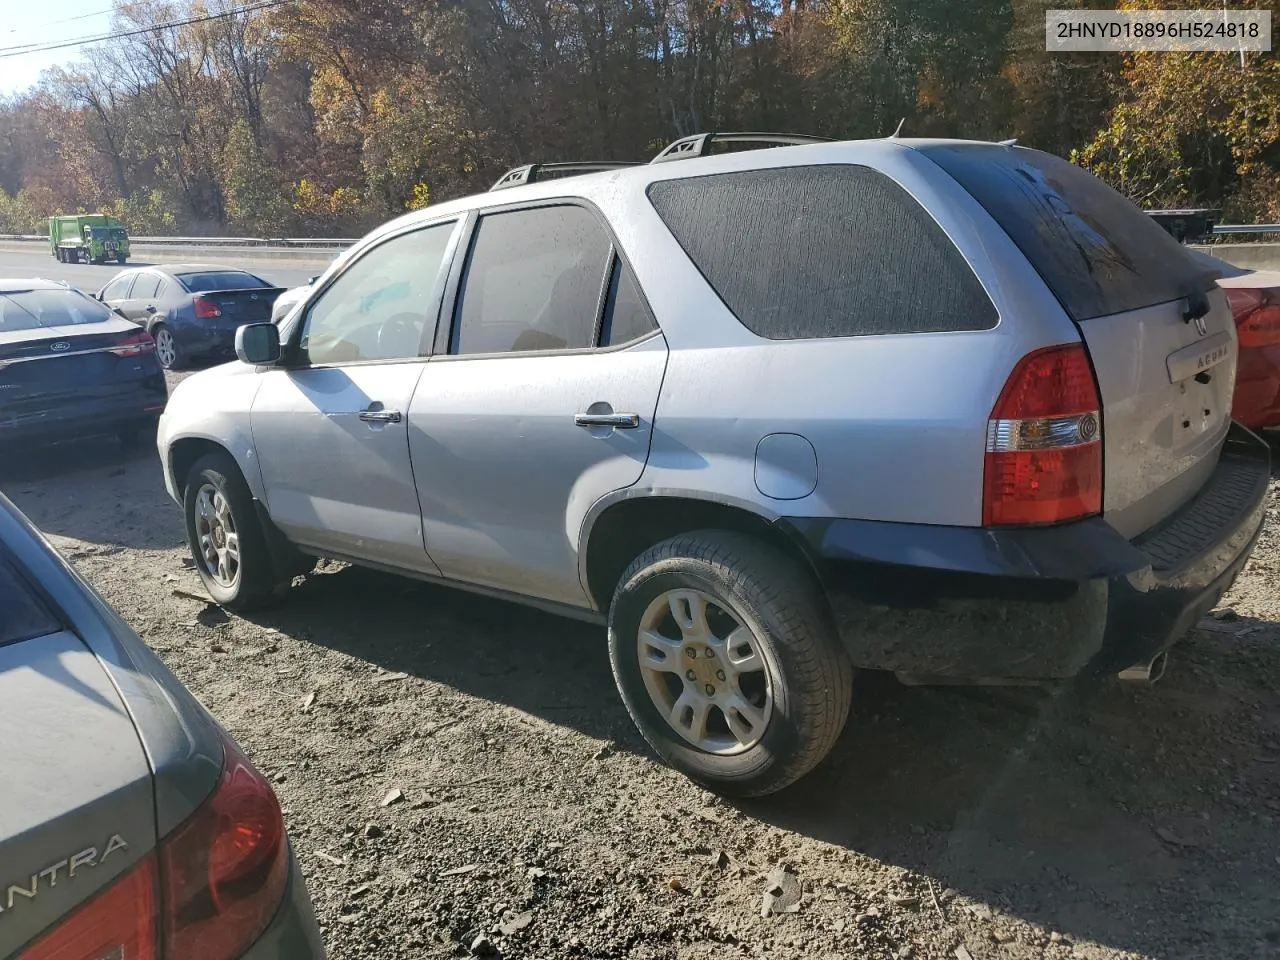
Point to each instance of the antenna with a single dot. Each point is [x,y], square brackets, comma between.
[899,130]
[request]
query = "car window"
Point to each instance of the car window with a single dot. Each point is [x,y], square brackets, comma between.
[626,315]
[22,615]
[31,309]
[145,287]
[533,282]
[836,250]
[118,289]
[379,306]
[212,281]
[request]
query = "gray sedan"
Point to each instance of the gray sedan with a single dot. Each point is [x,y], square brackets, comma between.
[131,824]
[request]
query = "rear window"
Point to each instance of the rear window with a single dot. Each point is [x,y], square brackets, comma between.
[1098,253]
[32,309]
[213,281]
[22,615]
[822,251]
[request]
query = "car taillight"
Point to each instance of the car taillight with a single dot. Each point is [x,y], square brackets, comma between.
[206,309]
[1257,315]
[133,344]
[224,870]
[1044,448]
[119,923]
[208,892]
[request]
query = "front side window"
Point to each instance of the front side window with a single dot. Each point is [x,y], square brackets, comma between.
[378,308]
[533,282]
[118,289]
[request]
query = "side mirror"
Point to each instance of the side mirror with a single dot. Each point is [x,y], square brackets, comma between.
[258,344]
[312,281]
[119,313]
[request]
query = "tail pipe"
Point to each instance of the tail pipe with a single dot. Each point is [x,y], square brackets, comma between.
[1147,672]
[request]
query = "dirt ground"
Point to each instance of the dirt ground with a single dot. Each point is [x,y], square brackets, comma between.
[459,776]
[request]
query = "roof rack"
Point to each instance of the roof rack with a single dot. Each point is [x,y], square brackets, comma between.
[696,145]
[533,172]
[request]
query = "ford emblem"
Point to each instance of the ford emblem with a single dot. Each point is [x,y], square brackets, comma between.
[60,346]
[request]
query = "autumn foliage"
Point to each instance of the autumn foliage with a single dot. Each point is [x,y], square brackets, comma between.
[325,117]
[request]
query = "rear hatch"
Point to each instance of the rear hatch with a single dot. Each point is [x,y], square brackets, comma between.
[1165,375]
[78,806]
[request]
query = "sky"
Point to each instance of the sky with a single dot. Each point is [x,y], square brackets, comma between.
[34,22]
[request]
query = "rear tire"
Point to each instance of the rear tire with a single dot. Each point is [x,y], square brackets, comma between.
[778,684]
[168,352]
[226,539]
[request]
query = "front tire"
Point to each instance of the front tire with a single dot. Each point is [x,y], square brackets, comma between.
[728,662]
[224,534]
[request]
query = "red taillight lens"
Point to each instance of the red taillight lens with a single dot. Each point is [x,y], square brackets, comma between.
[225,868]
[1044,452]
[134,344]
[206,309]
[1260,327]
[117,923]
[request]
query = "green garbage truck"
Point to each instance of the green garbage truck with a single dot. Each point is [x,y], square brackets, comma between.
[94,236]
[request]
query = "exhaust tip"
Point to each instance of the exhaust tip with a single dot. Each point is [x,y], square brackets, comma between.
[1146,673]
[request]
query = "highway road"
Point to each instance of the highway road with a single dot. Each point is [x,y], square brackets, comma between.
[16,262]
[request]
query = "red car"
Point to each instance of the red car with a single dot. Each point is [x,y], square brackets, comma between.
[1254,296]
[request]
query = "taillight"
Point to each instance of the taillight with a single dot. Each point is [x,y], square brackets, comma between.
[221,876]
[119,922]
[224,870]
[134,344]
[206,309]
[1044,450]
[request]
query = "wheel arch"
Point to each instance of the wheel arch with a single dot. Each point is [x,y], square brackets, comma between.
[617,532]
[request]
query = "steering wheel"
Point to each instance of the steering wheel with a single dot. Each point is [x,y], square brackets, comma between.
[398,333]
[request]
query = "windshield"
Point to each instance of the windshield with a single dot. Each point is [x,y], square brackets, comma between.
[213,281]
[32,309]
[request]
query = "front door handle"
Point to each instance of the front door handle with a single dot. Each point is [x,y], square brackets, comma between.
[380,416]
[622,421]
[150,308]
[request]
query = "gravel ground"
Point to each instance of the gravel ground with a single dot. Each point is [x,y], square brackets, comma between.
[459,777]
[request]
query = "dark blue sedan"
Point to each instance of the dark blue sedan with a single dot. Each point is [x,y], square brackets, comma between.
[70,367]
[192,310]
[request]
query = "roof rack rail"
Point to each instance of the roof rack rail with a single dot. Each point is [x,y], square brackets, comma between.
[533,172]
[696,145]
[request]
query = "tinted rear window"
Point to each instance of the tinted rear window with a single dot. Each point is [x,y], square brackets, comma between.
[1097,251]
[822,251]
[22,615]
[32,309]
[212,282]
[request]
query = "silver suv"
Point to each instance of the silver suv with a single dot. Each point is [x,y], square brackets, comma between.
[947,409]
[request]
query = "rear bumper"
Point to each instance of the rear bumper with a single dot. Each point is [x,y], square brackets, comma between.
[294,933]
[1045,603]
[66,421]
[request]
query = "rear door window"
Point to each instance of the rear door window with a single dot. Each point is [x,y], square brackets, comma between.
[822,251]
[1098,253]
[533,282]
[145,287]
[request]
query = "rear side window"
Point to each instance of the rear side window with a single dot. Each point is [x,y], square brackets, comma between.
[212,282]
[533,282]
[1098,253]
[626,315]
[145,287]
[22,615]
[822,251]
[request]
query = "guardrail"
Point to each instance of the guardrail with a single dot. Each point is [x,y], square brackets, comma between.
[299,242]
[1246,228]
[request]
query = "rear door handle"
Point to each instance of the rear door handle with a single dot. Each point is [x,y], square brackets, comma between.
[380,416]
[622,421]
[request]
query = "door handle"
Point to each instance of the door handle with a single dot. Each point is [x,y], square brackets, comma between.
[622,421]
[150,308]
[380,416]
